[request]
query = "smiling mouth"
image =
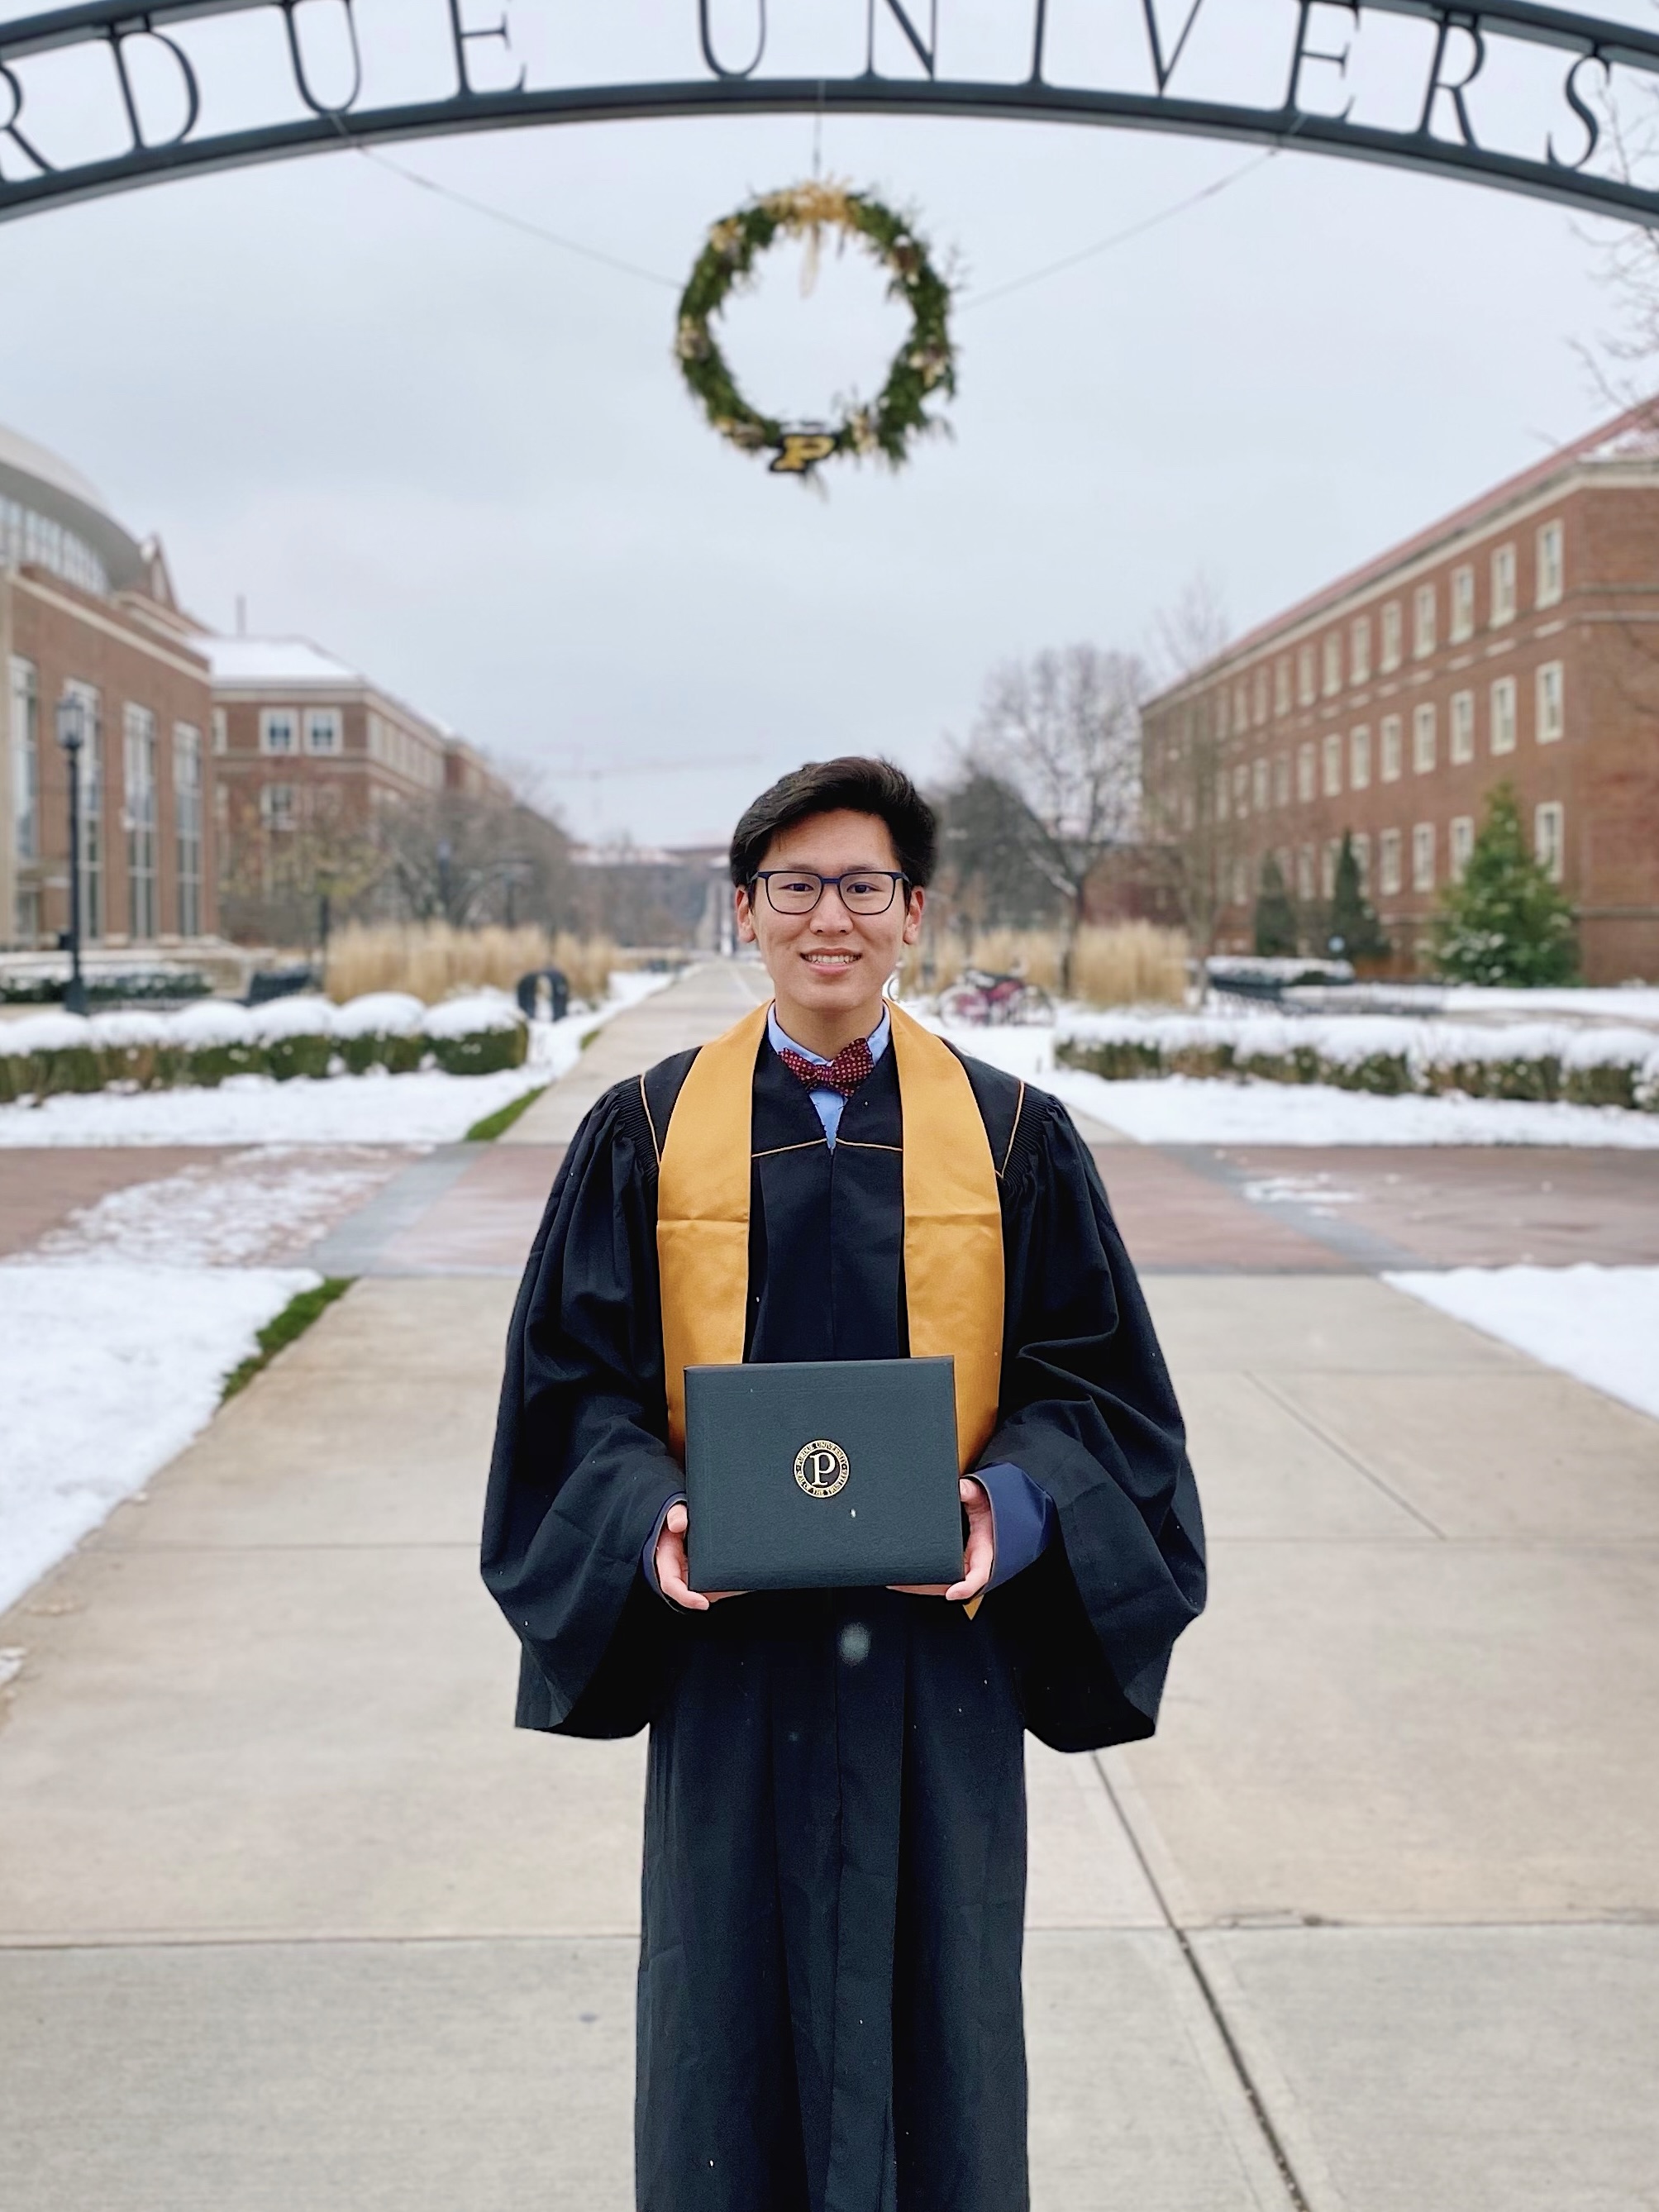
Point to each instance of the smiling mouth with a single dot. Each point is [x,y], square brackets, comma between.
[829,959]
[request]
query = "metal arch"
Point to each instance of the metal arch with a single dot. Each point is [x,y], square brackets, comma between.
[1444,140]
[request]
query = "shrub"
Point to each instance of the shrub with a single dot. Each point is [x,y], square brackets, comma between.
[1506,922]
[428,960]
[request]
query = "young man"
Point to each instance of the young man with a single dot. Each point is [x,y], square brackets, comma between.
[829,2013]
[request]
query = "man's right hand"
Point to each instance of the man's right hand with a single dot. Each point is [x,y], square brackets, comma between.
[672,1573]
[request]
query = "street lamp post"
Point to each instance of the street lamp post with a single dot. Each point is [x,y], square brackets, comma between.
[71,735]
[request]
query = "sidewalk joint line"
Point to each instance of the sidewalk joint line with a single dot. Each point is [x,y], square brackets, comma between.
[1314,1429]
[1259,2112]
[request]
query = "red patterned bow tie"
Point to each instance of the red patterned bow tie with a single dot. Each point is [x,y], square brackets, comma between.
[844,1072]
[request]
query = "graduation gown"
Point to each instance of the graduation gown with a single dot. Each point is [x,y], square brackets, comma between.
[829,2002]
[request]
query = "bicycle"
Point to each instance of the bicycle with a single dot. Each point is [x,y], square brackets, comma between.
[989,1001]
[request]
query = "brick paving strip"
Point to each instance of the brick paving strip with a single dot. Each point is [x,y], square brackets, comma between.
[290,1916]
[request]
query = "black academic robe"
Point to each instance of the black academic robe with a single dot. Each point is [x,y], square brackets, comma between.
[829,2011]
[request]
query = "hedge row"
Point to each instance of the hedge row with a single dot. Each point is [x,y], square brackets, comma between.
[1542,1062]
[207,1043]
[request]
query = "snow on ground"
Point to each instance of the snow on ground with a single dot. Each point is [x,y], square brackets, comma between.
[1600,1324]
[1178,1109]
[430,1108]
[106,1371]
[251,1209]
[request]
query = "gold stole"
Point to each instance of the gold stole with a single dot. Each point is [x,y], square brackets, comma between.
[953,1279]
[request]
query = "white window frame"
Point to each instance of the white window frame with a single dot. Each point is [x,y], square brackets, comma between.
[1281,779]
[325,718]
[1424,614]
[1306,674]
[1552,565]
[1461,622]
[1388,863]
[1261,697]
[1259,783]
[1460,844]
[1503,585]
[1328,861]
[1241,789]
[1504,716]
[1393,631]
[1550,703]
[1304,871]
[1422,856]
[1391,749]
[25,712]
[1282,684]
[1333,764]
[1549,838]
[1332,663]
[1359,649]
[188,784]
[1362,854]
[221,731]
[269,718]
[1461,733]
[1425,741]
[1359,757]
[1307,771]
[273,816]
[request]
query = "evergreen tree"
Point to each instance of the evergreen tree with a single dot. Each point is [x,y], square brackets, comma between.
[1352,917]
[1506,922]
[1275,916]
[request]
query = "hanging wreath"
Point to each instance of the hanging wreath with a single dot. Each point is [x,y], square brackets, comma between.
[924,365]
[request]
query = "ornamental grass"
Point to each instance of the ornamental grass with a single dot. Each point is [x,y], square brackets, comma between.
[1125,963]
[432,959]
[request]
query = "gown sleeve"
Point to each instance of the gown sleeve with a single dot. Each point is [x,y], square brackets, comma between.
[582,1469]
[1088,1413]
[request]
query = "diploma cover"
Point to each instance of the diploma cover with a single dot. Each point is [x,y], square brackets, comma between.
[816,1474]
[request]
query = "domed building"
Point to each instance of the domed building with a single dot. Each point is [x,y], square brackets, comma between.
[88,619]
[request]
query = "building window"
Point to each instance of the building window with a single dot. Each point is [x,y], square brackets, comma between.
[1423,622]
[187,825]
[25,761]
[1390,764]
[1552,705]
[1260,696]
[1221,796]
[1241,790]
[1281,780]
[1362,856]
[138,748]
[1305,673]
[1503,585]
[1359,650]
[1463,604]
[1389,657]
[1328,861]
[1463,844]
[322,729]
[1333,764]
[1388,863]
[1241,706]
[1359,758]
[1552,568]
[1304,771]
[279,730]
[1241,881]
[1423,857]
[1423,742]
[92,808]
[1282,686]
[1548,838]
[1463,727]
[221,731]
[1304,871]
[276,808]
[1503,715]
[1259,786]
[1333,663]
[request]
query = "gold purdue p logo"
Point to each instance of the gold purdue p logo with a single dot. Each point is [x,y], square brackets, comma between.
[802,450]
[822,1468]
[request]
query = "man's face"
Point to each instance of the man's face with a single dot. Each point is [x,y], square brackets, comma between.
[832,961]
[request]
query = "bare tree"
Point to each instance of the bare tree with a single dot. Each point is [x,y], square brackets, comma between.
[1188,764]
[1063,731]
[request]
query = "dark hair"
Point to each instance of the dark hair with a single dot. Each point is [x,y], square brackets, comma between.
[854,783]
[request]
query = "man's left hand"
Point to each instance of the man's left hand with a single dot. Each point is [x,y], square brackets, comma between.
[978,1559]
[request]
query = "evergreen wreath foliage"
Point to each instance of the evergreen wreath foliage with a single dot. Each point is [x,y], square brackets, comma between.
[1506,922]
[923,367]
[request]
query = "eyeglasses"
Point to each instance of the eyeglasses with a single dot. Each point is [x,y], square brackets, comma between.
[798,890]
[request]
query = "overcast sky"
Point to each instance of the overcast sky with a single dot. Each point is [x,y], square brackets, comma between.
[463,459]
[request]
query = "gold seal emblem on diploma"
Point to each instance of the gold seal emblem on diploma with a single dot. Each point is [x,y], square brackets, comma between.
[822,1468]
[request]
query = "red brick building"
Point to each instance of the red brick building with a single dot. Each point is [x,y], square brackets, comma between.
[1517,641]
[88,612]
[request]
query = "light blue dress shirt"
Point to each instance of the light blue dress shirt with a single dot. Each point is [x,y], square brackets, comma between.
[827,1103]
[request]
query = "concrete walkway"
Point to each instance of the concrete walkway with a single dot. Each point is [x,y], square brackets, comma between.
[292,1921]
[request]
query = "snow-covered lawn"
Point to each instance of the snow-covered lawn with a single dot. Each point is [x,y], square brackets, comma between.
[1600,1324]
[107,1370]
[430,1108]
[1176,1110]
